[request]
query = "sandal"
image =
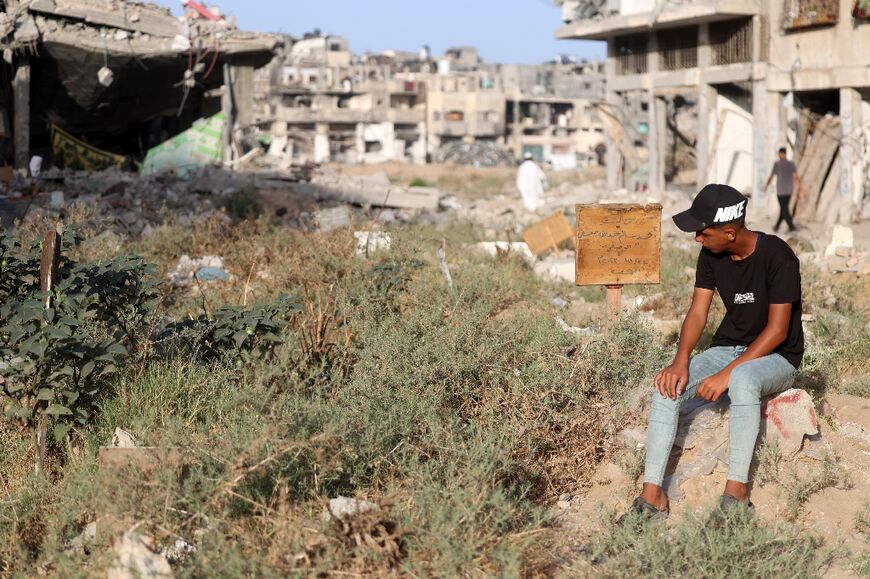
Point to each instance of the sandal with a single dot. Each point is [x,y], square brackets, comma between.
[645,512]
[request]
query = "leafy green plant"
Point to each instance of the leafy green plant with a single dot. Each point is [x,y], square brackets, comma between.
[418,182]
[236,333]
[55,360]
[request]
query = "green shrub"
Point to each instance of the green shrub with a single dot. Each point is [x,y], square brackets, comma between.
[55,361]
[694,548]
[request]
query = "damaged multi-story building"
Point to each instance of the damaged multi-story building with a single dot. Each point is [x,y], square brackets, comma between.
[709,90]
[90,83]
[327,104]
[323,103]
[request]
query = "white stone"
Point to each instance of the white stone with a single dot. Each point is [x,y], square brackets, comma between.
[556,269]
[135,558]
[371,241]
[841,237]
[123,439]
[343,508]
[493,248]
[789,417]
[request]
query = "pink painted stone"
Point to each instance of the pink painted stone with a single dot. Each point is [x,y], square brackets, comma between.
[788,417]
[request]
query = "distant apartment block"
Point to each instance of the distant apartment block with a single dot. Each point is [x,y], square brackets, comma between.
[332,105]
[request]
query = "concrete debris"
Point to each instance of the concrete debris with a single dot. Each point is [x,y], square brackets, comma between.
[701,467]
[841,238]
[375,191]
[344,508]
[178,552]
[333,218]
[559,302]
[788,418]
[205,269]
[557,269]
[123,439]
[79,543]
[477,154]
[563,325]
[137,558]
[368,242]
[505,248]
[105,76]
[35,165]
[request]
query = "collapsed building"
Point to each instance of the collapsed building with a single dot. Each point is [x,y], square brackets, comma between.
[323,103]
[719,85]
[89,83]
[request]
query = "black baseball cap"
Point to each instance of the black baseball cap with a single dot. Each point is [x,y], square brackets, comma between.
[714,205]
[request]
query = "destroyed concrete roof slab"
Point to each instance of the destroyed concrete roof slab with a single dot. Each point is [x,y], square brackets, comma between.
[154,29]
[237,44]
[670,15]
[135,17]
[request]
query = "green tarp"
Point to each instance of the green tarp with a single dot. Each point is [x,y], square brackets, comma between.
[198,146]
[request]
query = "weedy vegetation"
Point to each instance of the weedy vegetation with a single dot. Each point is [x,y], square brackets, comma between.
[461,413]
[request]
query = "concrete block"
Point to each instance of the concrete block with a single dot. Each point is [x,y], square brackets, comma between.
[789,417]
[842,236]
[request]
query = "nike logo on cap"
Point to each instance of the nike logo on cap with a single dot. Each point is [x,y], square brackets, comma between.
[725,214]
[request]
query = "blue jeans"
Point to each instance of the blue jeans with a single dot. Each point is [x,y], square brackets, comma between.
[748,383]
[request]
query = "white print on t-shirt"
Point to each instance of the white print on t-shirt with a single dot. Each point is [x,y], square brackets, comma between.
[747,298]
[729,213]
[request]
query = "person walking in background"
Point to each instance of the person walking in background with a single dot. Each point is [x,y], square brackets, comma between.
[786,176]
[531,183]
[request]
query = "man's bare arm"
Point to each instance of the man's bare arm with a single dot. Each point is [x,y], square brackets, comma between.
[671,381]
[774,334]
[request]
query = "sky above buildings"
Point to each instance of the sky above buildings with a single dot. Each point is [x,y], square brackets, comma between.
[505,31]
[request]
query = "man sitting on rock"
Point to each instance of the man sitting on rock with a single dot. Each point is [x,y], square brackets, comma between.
[755,352]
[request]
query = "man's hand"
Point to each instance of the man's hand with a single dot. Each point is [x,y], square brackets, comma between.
[713,387]
[671,381]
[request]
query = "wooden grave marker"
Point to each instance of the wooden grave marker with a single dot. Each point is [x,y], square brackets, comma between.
[548,234]
[618,244]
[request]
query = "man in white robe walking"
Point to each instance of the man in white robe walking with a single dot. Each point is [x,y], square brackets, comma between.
[531,183]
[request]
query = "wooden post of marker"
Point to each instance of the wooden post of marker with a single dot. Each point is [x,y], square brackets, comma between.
[614,303]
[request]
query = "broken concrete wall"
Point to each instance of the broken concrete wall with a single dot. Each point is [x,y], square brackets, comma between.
[733,140]
[819,58]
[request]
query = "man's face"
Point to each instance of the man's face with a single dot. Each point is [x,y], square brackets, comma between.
[715,240]
[781,156]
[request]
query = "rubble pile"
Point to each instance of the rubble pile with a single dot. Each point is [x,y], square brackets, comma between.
[135,203]
[374,191]
[479,154]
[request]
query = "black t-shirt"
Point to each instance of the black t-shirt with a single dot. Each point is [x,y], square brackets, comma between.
[771,275]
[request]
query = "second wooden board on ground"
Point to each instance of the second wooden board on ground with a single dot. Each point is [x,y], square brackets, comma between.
[548,234]
[618,244]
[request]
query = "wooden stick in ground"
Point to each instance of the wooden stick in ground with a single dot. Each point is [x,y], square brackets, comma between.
[614,304]
[442,262]
[48,262]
